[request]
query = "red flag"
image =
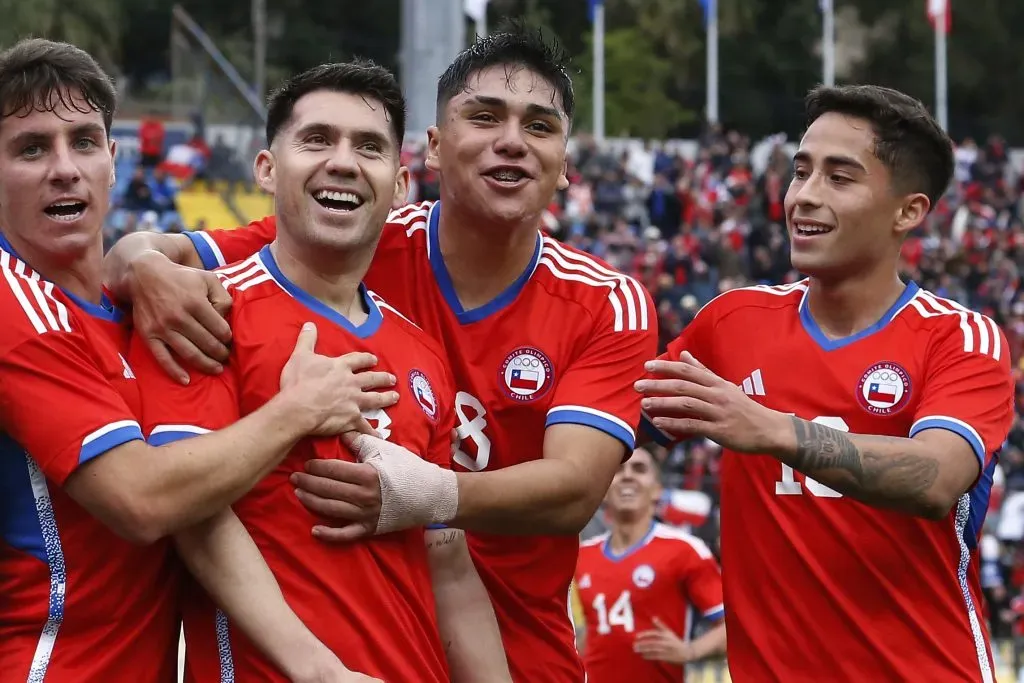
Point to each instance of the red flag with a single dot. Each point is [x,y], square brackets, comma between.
[940,11]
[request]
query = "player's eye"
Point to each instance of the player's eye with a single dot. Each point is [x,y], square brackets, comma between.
[317,139]
[800,174]
[483,117]
[540,127]
[32,151]
[85,144]
[840,179]
[371,147]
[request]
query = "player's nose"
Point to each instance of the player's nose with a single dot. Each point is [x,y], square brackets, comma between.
[510,141]
[343,161]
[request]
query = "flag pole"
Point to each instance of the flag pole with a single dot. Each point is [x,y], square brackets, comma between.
[599,71]
[828,27]
[712,61]
[941,96]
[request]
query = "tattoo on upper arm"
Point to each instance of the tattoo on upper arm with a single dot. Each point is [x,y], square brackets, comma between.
[446,537]
[875,474]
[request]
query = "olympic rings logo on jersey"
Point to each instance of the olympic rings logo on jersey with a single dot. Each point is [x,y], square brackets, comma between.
[526,374]
[884,389]
[423,393]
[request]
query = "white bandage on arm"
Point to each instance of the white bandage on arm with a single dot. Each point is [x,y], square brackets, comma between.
[413,492]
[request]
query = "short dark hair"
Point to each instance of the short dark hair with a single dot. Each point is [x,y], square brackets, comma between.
[908,140]
[513,45]
[359,77]
[39,75]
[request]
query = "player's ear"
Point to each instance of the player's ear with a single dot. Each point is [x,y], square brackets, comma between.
[263,171]
[911,213]
[401,195]
[563,178]
[433,160]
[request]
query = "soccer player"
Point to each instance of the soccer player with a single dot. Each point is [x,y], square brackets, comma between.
[860,429]
[334,135]
[544,343]
[78,600]
[638,583]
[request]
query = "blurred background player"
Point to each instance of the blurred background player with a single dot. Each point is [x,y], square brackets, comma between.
[79,484]
[545,412]
[861,428]
[333,168]
[638,584]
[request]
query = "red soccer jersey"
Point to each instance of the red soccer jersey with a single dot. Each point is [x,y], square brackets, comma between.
[563,344]
[664,575]
[822,587]
[77,602]
[370,602]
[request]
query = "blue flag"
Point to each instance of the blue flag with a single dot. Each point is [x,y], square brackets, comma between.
[709,7]
[591,6]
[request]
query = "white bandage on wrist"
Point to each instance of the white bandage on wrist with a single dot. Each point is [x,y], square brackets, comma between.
[413,492]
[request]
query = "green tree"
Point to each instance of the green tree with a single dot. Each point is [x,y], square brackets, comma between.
[637,79]
[94,26]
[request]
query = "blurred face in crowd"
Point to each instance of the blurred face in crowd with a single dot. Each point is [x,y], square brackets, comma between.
[843,214]
[334,171]
[56,171]
[501,147]
[635,488]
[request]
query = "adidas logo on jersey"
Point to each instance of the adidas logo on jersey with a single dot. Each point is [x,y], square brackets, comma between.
[752,384]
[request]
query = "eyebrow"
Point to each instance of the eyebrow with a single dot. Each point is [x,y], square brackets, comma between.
[36,137]
[832,160]
[499,103]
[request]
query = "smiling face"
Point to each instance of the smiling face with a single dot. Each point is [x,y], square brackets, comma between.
[334,171]
[501,146]
[56,171]
[842,211]
[636,487]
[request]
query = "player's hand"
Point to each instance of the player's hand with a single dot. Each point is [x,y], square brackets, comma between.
[181,310]
[661,644]
[334,392]
[686,400]
[408,490]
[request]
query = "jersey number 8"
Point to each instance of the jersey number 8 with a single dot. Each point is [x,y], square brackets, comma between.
[472,430]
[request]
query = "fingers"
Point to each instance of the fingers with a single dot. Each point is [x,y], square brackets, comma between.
[678,406]
[376,400]
[682,370]
[687,357]
[220,300]
[364,427]
[212,320]
[658,623]
[306,341]
[375,380]
[358,360]
[683,428]
[328,508]
[357,473]
[188,352]
[197,332]
[343,534]
[165,360]
[674,387]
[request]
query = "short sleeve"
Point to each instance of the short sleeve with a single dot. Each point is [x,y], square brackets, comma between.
[696,338]
[701,578]
[218,248]
[56,403]
[968,388]
[597,389]
[171,411]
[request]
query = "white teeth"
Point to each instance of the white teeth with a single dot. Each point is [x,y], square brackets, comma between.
[811,229]
[330,195]
[507,175]
[69,202]
[68,217]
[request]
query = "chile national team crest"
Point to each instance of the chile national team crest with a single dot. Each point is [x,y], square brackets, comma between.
[643,576]
[423,393]
[526,374]
[884,389]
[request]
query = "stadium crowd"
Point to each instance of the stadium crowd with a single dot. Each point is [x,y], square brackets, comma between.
[690,226]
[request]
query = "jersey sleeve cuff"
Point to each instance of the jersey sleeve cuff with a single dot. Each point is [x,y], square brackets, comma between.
[436,527]
[165,434]
[716,613]
[592,417]
[109,437]
[953,425]
[209,252]
[660,437]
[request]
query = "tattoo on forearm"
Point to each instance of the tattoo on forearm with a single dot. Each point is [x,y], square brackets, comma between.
[874,475]
[446,537]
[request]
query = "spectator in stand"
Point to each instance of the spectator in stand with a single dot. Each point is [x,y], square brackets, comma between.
[151,140]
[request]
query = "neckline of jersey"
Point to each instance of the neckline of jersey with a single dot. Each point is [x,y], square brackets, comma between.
[363,331]
[106,309]
[606,547]
[810,325]
[444,280]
